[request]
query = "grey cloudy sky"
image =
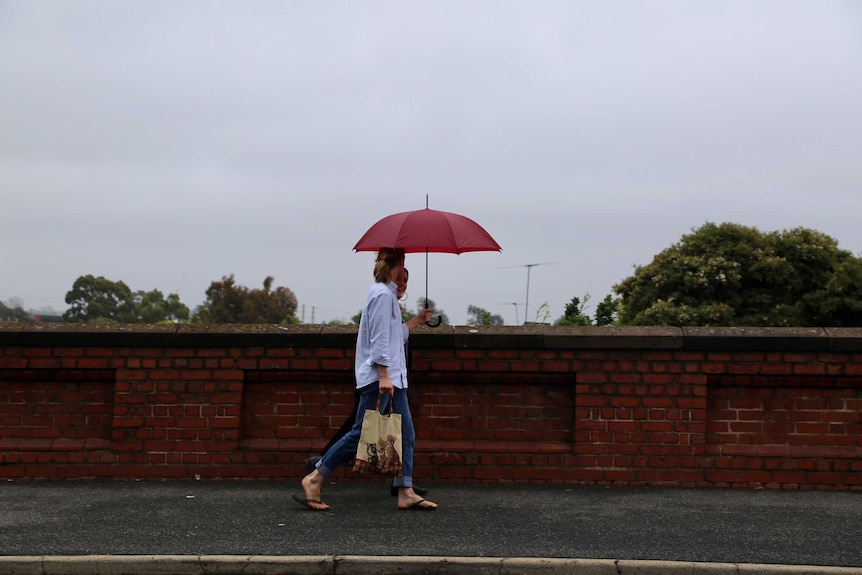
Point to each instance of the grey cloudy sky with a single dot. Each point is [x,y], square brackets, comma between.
[168,144]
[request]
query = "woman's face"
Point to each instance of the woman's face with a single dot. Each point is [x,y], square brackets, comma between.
[400,279]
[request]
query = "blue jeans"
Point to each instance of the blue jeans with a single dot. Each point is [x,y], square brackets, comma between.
[345,449]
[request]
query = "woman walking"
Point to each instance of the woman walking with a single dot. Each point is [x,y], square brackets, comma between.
[400,280]
[381,370]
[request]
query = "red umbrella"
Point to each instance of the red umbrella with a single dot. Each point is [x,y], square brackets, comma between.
[427,231]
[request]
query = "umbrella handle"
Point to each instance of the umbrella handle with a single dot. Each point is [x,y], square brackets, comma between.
[431,323]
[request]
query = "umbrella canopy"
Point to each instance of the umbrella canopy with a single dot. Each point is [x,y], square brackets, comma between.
[427,230]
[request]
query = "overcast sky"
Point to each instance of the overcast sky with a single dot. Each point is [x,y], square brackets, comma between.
[167,144]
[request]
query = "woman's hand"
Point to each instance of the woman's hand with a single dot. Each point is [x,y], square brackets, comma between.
[385,385]
[424,317]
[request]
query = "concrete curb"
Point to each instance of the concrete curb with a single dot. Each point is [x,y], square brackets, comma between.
[372,565]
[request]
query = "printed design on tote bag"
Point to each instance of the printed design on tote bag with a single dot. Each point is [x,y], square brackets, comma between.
[388,455]
[373,458]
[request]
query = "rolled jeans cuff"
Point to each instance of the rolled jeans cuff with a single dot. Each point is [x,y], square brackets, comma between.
[406,481]
[324,470]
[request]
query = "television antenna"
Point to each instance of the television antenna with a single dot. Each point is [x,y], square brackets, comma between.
[529,268]
[514,303]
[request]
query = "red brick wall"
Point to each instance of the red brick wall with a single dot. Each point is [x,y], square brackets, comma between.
[796,429]
[775,408]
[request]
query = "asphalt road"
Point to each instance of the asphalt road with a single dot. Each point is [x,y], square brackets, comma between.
[565,521]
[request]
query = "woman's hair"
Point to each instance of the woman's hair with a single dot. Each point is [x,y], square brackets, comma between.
[387,259]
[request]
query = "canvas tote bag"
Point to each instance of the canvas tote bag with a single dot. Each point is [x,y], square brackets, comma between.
[379,449]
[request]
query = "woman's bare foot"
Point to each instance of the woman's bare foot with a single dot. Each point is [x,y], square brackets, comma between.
[312,484]
[407,499]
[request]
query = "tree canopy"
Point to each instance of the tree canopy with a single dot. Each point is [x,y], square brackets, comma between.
[13,313]
[478,316]
[733,275]
[607,311]
[228,302]
[575,314]
[153,307]
[98,299]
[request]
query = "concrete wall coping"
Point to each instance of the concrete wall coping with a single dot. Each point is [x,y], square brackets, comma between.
[362,565]
[811,339]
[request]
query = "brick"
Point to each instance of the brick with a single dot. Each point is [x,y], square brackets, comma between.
[657,402]
[128,421]
[525,365]
[591,377]
[625,402]
[45,363]
[446,365]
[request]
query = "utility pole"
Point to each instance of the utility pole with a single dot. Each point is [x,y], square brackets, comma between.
[514,303]
[527,299]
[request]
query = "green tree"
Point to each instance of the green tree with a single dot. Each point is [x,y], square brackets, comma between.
[153,307]
[478,316]
[13,313]
[734,275]
[228,302]
[607,310]
[98,299]
[574,314]
[839,302]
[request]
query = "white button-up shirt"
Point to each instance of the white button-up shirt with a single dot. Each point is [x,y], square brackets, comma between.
[381,338]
